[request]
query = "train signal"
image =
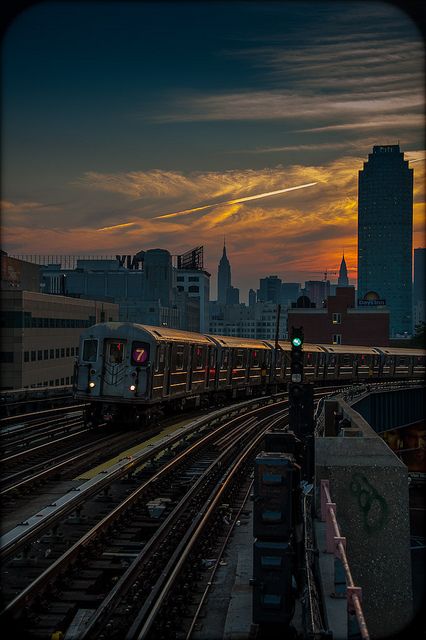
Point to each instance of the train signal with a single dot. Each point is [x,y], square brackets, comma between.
[296,363]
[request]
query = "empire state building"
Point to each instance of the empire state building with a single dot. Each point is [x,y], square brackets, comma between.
[223,277]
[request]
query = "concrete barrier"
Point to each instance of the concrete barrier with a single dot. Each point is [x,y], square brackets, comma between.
[369,485]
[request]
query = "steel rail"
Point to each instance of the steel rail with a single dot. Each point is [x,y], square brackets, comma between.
[146,617]
[57,567]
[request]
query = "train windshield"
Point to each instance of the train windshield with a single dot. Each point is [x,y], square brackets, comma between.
[90,350]
[115,352]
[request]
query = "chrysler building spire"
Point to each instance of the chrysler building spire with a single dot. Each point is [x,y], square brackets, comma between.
[343,274]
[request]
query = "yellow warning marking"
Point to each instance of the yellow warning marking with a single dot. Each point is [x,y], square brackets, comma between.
[91,473]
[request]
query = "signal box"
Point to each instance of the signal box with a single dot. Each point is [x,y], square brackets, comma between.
[273,599]
[275,477]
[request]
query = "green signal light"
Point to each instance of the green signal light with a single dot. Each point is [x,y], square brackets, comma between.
[296,342]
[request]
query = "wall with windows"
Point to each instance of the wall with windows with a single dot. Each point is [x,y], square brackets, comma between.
[40,336]
[343,323]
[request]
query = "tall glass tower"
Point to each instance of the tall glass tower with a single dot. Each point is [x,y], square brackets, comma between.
[223,277]
[385,233]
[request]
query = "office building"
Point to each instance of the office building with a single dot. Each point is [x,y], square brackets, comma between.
[317,291]
[40,336]
[196,283]
[269,289]
[385,228]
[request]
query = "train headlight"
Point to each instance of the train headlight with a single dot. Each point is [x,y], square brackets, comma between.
[132,387]
[92,384]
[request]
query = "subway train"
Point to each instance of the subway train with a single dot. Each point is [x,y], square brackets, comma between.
[129,372]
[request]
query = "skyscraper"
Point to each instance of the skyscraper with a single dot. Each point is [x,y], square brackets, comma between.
[223,277]
[342,280]
[385,230]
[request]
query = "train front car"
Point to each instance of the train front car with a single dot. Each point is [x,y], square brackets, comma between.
[113,371]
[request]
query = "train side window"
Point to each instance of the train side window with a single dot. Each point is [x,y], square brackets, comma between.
[278,359]
[332,360]
[179,358]
[140,353]
[225,358]
[321,359]
[159,365]
[267,358]
[308,358]
[402,360]
[239,358]
[90,350]
[346,359]
[212,359]
[255,358]
[198,358]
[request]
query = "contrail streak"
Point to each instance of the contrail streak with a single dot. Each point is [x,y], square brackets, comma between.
[116,226]
[185,212]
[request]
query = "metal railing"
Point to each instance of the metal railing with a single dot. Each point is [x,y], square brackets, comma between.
[336,544]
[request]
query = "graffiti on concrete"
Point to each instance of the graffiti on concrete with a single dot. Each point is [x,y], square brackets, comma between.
[373,506]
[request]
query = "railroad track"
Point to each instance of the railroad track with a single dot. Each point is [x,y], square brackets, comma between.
[36,567]
[84,560]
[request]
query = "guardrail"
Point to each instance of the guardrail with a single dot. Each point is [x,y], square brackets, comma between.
[344,584]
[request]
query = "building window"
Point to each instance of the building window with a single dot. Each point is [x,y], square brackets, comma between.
[50,383]
[52,353]
[6,356]
[56,353]
[337,318]
[40,355]
[33,356]
[68,352]
[193,289]
[72,351]
[46,354]
[67,380]
[193,279]
[57,382]
[337,338]
[62,381]
[180,279]
[26,356]
[63,353]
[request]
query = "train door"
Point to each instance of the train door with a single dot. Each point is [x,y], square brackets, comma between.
[159,371]
[167,367]
[211,367]
[114,369]
[191,348]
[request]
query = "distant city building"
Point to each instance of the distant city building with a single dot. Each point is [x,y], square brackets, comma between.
[290,291]
[146,286]
[196,283]
[269,289]
[317,291]
[40,336]
[343,280]
[341,322]
[223,277]
[232,295]
[251,297]
[256,321]
[19,274]
[419,293]
[385,228]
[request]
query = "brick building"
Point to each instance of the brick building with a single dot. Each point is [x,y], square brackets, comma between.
[340,322]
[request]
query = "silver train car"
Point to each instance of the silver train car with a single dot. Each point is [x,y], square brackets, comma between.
[130,372]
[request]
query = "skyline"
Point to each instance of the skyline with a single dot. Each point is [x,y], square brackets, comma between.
[117,114]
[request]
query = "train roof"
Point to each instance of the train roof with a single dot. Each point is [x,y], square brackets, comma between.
[402,351]
[175,335]
[348,348]
[158,333]
[239,343]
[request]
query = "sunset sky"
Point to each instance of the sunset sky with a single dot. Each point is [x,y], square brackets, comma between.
[116,114]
